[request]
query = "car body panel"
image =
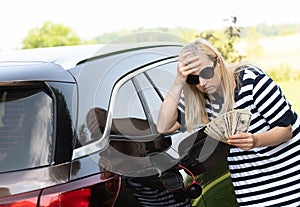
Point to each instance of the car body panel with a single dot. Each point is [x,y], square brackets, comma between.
[34,179]
[34,72]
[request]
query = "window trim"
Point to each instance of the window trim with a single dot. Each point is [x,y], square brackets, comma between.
[143,100]
[103,142]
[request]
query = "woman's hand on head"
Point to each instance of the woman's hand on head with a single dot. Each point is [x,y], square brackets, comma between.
[187,67]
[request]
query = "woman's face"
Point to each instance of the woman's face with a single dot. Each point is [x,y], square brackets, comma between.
[209,77]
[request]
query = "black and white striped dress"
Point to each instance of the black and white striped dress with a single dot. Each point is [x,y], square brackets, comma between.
[268,176]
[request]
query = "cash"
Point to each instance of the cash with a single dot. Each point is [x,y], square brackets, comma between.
[233,122]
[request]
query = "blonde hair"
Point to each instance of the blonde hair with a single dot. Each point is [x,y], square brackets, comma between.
[195,110]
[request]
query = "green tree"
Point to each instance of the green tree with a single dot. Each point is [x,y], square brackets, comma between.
[225,41]
[50,35]
[181,34]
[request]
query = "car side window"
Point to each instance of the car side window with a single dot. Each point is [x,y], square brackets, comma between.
[161,79]
[128,115]
[26,127]
[152,98]
[139,99]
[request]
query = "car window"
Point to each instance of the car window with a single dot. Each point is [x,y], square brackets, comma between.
[128,115]
[26,127]
[151,97]
[162,78]
[139,99]
[155,84]
[128,103]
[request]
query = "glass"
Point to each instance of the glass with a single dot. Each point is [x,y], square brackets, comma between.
[129,118]
[26,128]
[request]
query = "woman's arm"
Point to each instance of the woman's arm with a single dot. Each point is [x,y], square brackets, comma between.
[168,113]
[274,136]
[167,118]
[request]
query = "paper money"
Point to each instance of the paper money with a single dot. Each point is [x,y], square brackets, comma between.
[232,122]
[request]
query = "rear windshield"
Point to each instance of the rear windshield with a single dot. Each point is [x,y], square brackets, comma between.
[26,127]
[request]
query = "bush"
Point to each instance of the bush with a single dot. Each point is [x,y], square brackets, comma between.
[284,73]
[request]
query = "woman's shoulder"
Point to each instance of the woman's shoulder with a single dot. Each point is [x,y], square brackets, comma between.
[253,69]
[250,71]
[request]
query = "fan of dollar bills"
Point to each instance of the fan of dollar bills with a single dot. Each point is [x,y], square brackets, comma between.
[232,122]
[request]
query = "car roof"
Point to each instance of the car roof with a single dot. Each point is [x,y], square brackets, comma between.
[54,63]
[69,56]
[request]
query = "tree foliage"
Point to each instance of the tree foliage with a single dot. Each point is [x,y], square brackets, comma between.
[225,41]
[50,35]
[274,30]
[188,34]
[185,34]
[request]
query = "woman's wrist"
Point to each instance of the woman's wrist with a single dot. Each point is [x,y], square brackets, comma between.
[255,140]
[179,82]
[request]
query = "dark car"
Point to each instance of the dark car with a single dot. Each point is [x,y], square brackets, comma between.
[78,128]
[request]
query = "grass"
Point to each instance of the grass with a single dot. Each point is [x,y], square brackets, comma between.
[219,193]
[281,53]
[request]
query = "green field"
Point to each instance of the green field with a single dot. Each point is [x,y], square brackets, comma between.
[273,52]
[279,53]
[289,89]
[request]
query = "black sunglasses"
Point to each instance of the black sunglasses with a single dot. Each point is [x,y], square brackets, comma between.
[205,73]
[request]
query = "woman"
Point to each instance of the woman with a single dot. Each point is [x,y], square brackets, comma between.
[264,162]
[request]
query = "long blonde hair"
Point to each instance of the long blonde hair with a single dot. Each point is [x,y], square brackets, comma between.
[195,110]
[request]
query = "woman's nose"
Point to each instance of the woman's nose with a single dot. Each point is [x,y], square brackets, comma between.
[202,81]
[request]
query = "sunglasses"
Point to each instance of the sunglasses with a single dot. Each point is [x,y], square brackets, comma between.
[205,73]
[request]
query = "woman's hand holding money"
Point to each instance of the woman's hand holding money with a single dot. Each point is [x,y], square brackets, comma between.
[245,141]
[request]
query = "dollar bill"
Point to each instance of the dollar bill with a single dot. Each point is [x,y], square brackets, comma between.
[227,124]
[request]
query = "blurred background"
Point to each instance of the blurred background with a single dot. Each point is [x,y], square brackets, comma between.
[263,32]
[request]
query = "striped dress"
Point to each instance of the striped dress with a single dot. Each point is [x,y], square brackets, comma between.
[268,176]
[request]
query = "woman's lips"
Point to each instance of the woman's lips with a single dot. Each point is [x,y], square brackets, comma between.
[206,90]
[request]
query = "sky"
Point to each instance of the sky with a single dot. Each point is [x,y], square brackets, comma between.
[90,18]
